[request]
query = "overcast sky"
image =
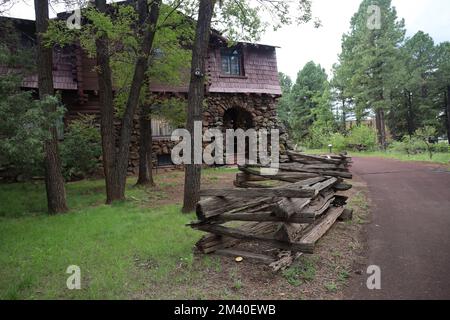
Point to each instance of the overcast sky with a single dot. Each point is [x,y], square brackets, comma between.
[300,44]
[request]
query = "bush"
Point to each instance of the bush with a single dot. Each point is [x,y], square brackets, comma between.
[319,137]
[339,142]
[81,148]
[441,147]
[362,137]
[24,126]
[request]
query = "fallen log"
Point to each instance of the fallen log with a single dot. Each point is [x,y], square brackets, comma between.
[291,192]
[262,217]
[243,235]
[319,229]
[262,258]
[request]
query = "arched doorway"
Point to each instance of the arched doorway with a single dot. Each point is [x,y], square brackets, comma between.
[237,118]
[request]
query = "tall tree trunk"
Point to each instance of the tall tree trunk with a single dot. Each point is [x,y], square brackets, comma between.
[195,99]
[107,113]
[381,128]
[344,116]
[150,20]
[447,100]
[54,181]
[410,113]
[145,149]
[117,164]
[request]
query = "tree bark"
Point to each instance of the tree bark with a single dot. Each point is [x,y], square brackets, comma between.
[140,70]
[116,162]
[107,113]
[381,128]
[447,100]
[145,177]
[195,99]
[54,181]
[410,117]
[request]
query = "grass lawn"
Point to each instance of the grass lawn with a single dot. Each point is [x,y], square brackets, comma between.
[120,249]
[141,248]
[443,158]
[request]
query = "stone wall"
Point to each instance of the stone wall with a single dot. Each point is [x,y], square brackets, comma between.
[262,109]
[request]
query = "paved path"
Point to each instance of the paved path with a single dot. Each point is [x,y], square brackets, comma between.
[409,233]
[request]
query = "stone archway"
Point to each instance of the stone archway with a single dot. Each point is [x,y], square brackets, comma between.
[237,118]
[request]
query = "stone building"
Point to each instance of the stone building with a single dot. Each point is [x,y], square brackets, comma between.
[241,92]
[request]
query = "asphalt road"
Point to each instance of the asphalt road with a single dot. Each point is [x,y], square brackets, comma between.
[409,233]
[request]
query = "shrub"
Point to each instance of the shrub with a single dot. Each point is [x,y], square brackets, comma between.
[319,137]
[24,126]
[81,148]
[441,147]
[362,137]
[339,142]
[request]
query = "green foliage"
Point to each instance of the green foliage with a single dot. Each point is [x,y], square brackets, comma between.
[362,136]
[308,101]
[24,126]
[339,142]
[420,143]
[172,110]
[305,270]
[284,103]
[81,148]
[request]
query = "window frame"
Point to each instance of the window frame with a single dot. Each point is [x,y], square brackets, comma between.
[228,52]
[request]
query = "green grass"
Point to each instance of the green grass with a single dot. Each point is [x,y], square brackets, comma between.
[121,249]
[443,158]
[304,270]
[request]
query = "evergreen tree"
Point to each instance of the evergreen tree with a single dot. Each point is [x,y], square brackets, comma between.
[306,93]
[372,56]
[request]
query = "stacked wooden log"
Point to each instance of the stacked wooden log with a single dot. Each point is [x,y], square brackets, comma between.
[276,216]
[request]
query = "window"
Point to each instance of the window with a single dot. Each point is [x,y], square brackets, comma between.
[231,62]
[161,128]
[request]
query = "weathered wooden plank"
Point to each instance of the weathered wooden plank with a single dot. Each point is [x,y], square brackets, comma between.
[215,206]
[281,176]
[285,259]
[263,217]
[246,255]
[313,157]
[258,193]
[244,235]
[321,227]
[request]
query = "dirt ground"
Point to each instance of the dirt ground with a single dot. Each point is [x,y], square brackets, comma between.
[324,275]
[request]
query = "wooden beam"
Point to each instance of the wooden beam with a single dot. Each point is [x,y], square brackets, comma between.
[246,255]
[258,193]
[244,235]
[321,227]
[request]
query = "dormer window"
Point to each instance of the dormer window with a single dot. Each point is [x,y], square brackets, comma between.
[231,62]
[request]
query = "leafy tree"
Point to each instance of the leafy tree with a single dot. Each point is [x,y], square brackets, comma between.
[307,96]
[443,83]
[372,58]
[427,134]
[23,127]
[242,20]
[413,104]
[54,181]
[284,103]
[81,148]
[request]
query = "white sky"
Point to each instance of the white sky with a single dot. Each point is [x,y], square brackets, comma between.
[300,44]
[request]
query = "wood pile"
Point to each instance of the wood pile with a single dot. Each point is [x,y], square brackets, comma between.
[275,217]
